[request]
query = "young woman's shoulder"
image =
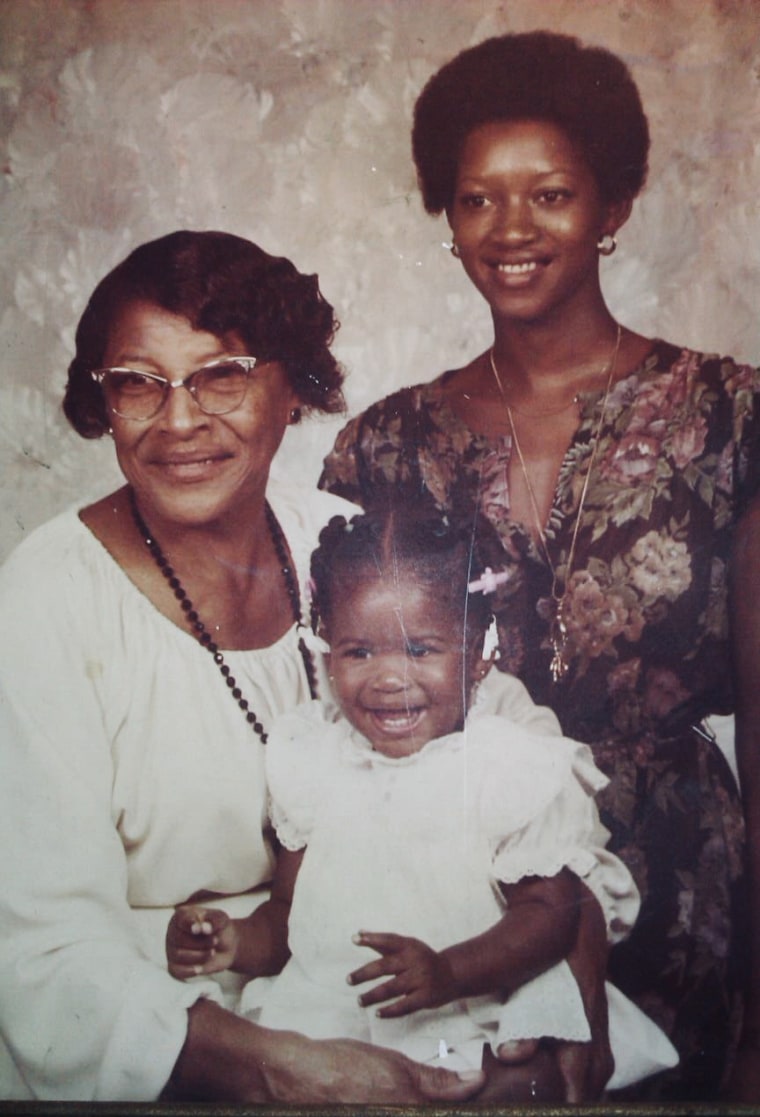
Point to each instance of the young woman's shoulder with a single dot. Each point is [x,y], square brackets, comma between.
[700,365]
[410,399]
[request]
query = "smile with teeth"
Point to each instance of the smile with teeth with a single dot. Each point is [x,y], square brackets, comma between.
[189,463]
[191,470]
[518,269]
[397,720]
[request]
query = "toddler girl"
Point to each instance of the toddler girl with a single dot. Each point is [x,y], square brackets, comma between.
[419,821]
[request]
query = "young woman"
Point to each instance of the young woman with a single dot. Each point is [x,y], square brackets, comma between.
[615,468]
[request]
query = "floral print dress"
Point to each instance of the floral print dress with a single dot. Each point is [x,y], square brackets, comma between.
[647,618]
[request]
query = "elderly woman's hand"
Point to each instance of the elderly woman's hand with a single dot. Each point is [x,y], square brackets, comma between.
[336,1071]
[227,1058]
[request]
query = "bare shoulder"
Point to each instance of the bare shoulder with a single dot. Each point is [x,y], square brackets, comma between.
[470,393]
[634,350]
[467,380]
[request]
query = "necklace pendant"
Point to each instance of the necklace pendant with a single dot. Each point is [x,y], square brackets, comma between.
[559,665]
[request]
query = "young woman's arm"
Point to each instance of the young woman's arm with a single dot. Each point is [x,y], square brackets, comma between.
[745,613]
[586,1067]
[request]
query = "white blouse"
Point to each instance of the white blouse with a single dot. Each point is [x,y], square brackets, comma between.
[130,781]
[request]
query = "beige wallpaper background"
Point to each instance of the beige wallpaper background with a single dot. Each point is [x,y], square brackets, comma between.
[287,121]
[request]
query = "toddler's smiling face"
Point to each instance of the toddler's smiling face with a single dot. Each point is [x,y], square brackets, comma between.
[399,665]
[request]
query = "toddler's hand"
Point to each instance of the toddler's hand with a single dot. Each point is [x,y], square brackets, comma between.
[422,978]
[200,941]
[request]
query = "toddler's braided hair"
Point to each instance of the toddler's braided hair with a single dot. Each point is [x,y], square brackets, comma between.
[443,552]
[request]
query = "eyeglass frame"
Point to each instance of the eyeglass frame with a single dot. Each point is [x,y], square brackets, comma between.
[99,375]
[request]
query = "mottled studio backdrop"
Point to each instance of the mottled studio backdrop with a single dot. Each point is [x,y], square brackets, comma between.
[287,121]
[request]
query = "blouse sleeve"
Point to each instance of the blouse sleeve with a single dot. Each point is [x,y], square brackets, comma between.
[84,1013]
[539,809]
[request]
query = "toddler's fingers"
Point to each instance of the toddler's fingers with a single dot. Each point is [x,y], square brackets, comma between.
[184,972]
[192,920]
[207,921]
[386,990]
[191,955]
[383,943]
[200,924]
[379,968]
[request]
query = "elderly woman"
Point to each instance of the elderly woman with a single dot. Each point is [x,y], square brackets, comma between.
[615,468]
[148,642]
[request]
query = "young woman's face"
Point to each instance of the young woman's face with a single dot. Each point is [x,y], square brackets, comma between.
[527,215]
[398,664]
[185,466]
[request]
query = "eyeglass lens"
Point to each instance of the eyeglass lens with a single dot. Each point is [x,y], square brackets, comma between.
[218,388]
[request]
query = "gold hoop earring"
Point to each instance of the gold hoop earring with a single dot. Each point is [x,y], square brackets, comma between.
[606,244]
[454,250]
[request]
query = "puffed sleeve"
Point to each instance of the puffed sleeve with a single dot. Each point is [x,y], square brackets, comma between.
[540,816]
[505,696]
[84,1013]
[296,763]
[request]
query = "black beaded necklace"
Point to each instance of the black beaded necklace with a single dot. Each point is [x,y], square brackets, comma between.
[198,627]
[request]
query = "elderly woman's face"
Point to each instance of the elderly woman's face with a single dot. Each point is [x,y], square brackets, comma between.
[186,466]
[526,216]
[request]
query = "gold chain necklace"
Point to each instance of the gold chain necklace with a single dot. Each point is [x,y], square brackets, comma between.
[558,633]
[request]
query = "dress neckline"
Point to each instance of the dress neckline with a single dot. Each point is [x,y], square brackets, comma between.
[146,605]
[661,355]
[654,360]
